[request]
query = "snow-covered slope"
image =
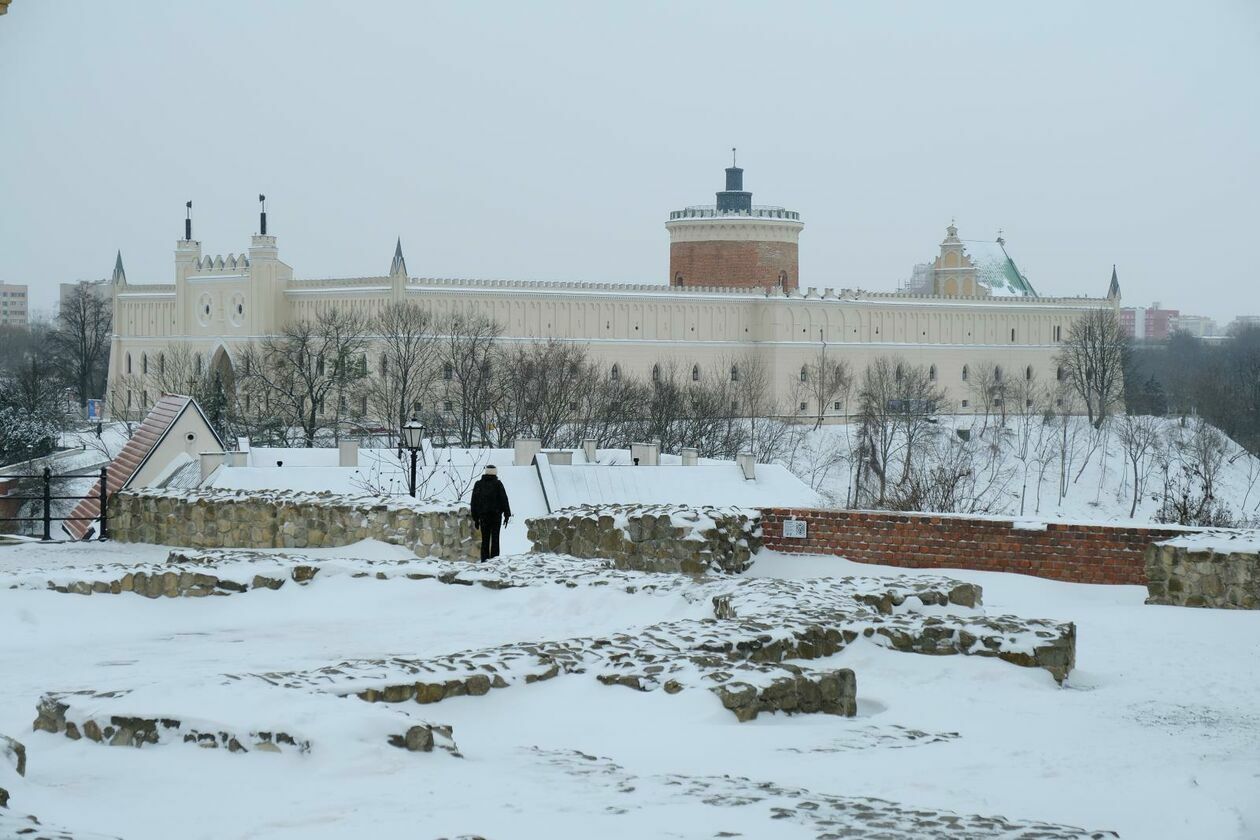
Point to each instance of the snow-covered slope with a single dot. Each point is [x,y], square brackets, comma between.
[1019,467]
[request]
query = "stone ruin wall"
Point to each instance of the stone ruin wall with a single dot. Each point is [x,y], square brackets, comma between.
[234,519]
[1188,575]
[653,538]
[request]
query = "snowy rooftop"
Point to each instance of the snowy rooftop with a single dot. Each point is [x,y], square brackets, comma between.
[996,271]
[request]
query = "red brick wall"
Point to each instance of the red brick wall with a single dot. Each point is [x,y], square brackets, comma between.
[1063,551]
[740,264]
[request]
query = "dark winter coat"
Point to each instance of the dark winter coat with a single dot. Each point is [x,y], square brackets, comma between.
[489,498]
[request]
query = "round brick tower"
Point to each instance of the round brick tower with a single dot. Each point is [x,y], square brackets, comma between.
[734,243]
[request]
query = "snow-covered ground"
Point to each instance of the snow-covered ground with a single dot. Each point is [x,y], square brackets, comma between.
[1018,465]
[1156,734]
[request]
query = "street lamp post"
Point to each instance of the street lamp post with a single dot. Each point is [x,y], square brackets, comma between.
[413,438]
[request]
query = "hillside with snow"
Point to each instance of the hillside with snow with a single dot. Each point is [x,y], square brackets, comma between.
[1028,466]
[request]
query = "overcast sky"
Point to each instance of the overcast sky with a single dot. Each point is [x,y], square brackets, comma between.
[550,141]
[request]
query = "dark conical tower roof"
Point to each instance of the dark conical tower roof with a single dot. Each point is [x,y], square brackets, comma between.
[1113,291]
[120,276]
[399,266]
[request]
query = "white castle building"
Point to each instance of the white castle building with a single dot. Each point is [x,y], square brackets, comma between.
[733,291]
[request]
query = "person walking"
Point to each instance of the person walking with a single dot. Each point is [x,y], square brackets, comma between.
[490,510]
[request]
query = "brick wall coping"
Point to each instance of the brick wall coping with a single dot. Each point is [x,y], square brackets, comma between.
[1018,523]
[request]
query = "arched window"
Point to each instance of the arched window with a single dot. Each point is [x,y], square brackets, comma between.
[899,373]
[1060,374]
[363,364]
[615,373]
[734,373]
[782,278]
[448,371]
[144,363]
[695,373]
[1028,373]
[384,365]
[249,364]
[319,368]
[162,363]
[964,373]
[656,373]
[678,279]
[197,364]
[128,363]
[804,374]
[1012,333]
[997,373]
[932,373]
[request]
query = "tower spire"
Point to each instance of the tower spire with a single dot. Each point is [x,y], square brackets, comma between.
[1113,291]
[262,215]
[399,266]
[120,276]
[188,222]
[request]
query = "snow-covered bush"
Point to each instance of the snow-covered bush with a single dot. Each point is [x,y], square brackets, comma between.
[24,436]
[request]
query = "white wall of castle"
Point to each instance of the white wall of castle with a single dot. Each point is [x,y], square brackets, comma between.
[227,302]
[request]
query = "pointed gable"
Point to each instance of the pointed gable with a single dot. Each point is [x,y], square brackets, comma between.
[132,457]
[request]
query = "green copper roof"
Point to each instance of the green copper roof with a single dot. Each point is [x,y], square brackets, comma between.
[996,271]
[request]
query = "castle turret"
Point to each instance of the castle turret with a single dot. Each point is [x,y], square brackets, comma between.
[734,243]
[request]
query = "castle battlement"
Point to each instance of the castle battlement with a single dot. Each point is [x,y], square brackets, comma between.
[219,263]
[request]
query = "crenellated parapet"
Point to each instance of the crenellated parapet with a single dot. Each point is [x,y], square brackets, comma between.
[219,263]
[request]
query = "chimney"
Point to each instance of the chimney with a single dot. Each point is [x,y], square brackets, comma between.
[560,457]
[645,454]
[236,459]
[747,464]
[588,449]
[210,461]
[348,453]
[690,456]
[524,451]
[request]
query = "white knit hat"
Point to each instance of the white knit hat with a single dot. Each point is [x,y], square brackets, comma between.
[492,470]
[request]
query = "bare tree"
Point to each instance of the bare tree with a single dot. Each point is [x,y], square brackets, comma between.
[467,388]
[542,389]
[823,382]
[1093,359]
[407,366]
[309,363]
[877,392]
[1140,437]
[81,341]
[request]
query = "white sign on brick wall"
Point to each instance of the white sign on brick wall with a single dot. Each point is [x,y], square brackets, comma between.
[795,529]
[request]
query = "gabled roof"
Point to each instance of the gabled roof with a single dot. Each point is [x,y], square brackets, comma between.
[148,436]
[996,271]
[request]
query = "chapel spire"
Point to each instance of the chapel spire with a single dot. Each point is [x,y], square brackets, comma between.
[120,276]
[399,266]
[1113,291]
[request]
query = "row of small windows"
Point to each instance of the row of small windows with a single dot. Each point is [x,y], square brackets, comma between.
[448,370]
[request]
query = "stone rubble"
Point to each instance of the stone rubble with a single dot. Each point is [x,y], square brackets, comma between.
[741,654]
[57,713]
[829,816]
